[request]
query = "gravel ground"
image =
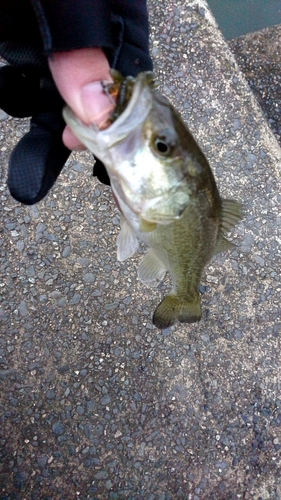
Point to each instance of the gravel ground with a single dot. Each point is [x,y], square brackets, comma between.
[96,403]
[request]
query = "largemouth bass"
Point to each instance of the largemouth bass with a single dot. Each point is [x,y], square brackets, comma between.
[165,190]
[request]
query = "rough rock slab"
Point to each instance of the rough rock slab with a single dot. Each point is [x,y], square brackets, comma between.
[259,57]
[98,404]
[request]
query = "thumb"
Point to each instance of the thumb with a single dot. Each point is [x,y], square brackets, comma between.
[96,107]
[78,75]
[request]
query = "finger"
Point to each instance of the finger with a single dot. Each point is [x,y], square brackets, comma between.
[71,141]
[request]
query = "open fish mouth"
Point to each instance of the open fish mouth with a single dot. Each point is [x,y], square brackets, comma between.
[101,142]
[134,114]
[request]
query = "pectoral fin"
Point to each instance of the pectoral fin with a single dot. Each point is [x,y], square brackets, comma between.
[127,242]
[151,269]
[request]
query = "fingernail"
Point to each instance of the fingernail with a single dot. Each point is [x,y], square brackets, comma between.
[96,103]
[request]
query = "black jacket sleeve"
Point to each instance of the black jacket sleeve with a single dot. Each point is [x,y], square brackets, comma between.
[119,27]
[68,24]
[31,30]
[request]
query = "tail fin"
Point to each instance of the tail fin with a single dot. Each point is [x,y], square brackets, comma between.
[174,308]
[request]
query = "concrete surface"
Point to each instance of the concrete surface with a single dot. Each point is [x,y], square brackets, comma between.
[95,402]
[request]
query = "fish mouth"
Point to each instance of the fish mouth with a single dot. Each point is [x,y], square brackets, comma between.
[135,113]
[133,117]
[162,210]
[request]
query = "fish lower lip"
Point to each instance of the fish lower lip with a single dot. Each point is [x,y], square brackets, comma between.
[156,209]
[154,212]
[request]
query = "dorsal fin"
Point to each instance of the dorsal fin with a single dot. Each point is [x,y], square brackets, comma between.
[223,244]
[231,214]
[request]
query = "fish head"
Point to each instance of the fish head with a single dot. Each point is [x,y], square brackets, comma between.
[153,162]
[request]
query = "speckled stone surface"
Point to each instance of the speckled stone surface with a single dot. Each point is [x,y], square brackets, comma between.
[259,56]
[95,402]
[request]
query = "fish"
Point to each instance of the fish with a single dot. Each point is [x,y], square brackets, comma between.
[166,191]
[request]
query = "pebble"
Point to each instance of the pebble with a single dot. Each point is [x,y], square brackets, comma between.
[101,475]
[51,394]
[105,400]
[42,461]
[89,278]
[78,167]
[75,299]
[22,476]
[23,309]
[3,115]
[66,252]
[58,428]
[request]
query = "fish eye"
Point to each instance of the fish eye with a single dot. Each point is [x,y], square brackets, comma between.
[161,146]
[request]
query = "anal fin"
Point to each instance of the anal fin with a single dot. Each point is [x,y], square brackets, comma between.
[151,269]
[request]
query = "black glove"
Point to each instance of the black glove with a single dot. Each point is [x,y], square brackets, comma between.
[38,158]
[27,87]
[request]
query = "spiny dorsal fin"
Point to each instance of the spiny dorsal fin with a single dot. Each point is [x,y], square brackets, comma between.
[223,245]
[231,214]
